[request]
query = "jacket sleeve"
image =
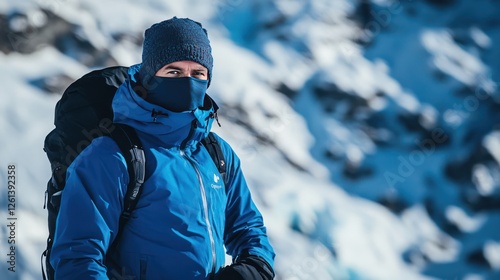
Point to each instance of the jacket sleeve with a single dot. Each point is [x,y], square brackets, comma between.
[91,205]
[244,232]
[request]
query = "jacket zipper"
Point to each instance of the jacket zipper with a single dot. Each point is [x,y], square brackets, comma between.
[190,134]
[203,196]
[205,209]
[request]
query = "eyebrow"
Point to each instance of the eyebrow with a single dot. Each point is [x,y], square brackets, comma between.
[173,67]
[181,69]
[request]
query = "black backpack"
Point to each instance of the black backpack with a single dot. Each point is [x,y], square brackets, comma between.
[82,114]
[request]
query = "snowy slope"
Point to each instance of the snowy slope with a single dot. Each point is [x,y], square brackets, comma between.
[368,130]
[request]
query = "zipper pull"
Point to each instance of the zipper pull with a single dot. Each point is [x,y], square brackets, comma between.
[45,200]
[155,114]
[214,115]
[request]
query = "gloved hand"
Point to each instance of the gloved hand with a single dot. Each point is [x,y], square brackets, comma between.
[246,267]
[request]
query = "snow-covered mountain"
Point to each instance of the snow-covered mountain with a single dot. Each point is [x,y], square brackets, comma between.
[369,130]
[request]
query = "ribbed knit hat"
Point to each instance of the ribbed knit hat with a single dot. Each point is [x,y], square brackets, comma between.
[175,39]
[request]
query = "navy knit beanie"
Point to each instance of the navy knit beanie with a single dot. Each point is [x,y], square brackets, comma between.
[173,40]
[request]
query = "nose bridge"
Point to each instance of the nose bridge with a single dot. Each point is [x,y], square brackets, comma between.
[186,72]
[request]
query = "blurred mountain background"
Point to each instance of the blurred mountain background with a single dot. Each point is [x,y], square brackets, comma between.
[369,130]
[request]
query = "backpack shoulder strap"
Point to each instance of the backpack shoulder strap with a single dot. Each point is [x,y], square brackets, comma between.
[130,145]
[215,151]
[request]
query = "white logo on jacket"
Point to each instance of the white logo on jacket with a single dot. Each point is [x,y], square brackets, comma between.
[216,181]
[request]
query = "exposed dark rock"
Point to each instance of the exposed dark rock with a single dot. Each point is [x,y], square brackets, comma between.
[356,172]
[275,22]
[477,257]
[136,39]
[82,50]
[362,14]
[333,155]
[293,163]
[30,38]
[393,202]
[479,203]
[55,31]
[286,90]
[330,95]
[460,170]
[53,84]
[451,228]
[412,122]
[238,115]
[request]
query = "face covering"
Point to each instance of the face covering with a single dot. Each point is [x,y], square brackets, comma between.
[176,94]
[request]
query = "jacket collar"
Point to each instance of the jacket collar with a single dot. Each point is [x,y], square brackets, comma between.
[170,129]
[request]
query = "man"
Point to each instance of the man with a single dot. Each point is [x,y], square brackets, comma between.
[186,213]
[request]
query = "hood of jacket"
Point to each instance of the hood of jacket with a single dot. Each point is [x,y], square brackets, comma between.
[171,129]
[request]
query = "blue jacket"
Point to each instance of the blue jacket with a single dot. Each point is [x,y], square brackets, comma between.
[185,217]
